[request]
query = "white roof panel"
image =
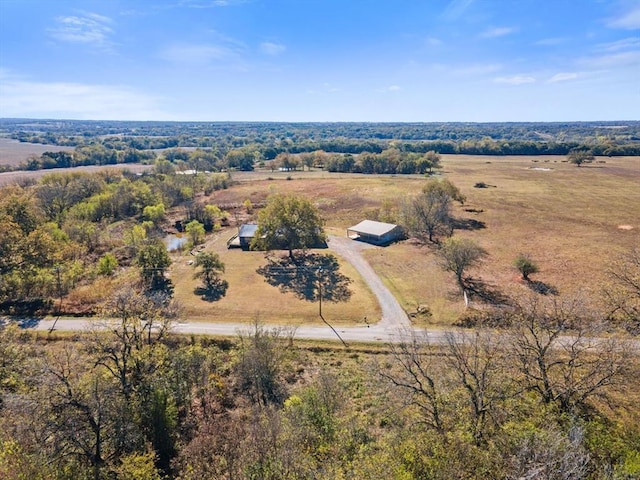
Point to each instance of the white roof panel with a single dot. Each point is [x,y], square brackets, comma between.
[371,227]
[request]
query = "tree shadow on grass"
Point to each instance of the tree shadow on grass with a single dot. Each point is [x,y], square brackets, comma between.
[542,288]
[213,292]
[306,274]
[485,291]
[468,224]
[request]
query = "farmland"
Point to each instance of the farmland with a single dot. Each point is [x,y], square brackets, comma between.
[572,221]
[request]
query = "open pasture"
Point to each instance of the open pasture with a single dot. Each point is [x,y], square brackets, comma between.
[572,221]
[13,152]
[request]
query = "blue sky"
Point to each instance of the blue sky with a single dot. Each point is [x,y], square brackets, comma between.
[321,60]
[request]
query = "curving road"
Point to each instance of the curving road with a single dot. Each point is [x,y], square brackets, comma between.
[393,315]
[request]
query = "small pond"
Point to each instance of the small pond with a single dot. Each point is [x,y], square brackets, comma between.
[175,242]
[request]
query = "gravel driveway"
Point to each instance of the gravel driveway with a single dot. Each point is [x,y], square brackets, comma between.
[393,315]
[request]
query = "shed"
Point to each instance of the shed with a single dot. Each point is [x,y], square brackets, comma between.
[246,234]
[378,233]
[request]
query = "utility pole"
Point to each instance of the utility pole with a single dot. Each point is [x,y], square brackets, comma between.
[320,294]
[59,284]
[319,271]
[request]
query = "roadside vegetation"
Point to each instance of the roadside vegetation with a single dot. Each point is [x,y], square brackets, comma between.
[531,264]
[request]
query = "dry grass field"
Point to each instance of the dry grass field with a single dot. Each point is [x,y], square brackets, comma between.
[572,221]
[13,152]
[249,296]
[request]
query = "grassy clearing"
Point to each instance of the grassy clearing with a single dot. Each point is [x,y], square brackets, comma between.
[249,296]
[572,221]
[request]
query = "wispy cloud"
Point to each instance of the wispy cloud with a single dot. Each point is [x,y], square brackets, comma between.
[515,80]
[613,60]
[475,69]
[201,54]
[433,42]
[326,87]
[629,20]
[563,77]
[456,8]
[24,98]
[272,49]
[498,32]
[210,3]
[88,29]
[631,43]
[550,42]
[390,88]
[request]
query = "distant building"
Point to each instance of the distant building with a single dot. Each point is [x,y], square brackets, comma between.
[378,233]
[246,234]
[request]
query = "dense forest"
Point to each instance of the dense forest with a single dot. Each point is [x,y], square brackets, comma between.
[136,402]
[244,145]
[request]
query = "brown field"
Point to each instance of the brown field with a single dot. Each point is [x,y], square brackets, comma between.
[572,221]
[13,152]
[250,297]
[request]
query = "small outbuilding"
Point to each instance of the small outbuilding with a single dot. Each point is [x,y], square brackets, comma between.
[246,234]
[378,233]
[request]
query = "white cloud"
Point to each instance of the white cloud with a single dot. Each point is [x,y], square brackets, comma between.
[623,44]
[199,54]
[273,49]
[476,69]
[550,42]
[498,32]
[614,60]
[394,88]
[515,80]
[433,42]
[456,8]
[209,3]
[563,77]
[628,21]
[89,29]
[24,98]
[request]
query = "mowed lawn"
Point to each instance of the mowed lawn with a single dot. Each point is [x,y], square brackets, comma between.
[572,221]
[249,296]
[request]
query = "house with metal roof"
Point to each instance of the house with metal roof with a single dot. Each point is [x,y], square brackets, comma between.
[246,234]
[377,233]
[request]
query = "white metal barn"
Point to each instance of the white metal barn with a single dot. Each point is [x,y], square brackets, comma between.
[378,233]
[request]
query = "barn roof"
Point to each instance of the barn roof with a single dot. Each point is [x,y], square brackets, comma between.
[371,227]
[248,230]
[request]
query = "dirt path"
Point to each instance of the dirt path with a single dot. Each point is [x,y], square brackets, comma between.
[393,315]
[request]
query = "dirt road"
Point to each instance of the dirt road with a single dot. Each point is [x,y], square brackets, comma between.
[393,315]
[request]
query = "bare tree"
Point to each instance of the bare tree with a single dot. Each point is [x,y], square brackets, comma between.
[477,362]
[550,455]
[259,364]
[457,255]
[132,323]
[82,422]
[418,375]
[622,292]
[560,352]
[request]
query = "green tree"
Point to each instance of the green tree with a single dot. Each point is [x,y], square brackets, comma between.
[288,222]
[428,214]
[578,157]
[525,266]
[107,264]
[457,255]
[208,268]
[153,261]
[154,213]
[195,231]
[433,159]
